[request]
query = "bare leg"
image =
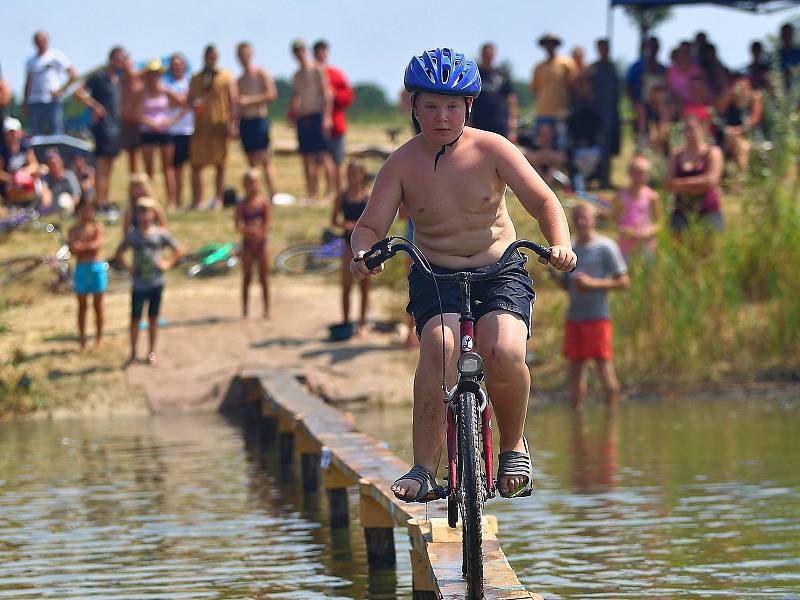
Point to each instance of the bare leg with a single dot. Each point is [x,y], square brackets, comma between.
[347,283]
[134,339]
[577,381]
[220,186]
[147,157]
[178,186]
[153,335]
[269,174]
[133,161]
[501,340]
[310,167]
[429,408]
[362,323]
[167,155]
[98,317]
[103,179]
[82,305]
[247,274]
[263,276]
[605,368]
[197,186]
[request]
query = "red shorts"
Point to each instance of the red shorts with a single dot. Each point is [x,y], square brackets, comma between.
[588,339]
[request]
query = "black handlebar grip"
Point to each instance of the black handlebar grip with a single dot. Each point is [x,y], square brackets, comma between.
[375,261]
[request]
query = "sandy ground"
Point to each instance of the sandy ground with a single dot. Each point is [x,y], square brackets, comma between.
[205,342]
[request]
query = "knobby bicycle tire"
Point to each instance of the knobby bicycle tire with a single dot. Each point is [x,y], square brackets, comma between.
[14,269]
[471,495]
[306,260]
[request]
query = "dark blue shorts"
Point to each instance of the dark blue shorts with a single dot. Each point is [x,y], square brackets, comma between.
[310,137]
[511,291]
[153,299]
[254,134]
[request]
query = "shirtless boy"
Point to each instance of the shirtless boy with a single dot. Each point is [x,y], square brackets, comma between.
[256,89]
[85,243]
[451,180]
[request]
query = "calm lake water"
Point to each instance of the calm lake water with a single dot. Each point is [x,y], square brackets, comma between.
[693,499]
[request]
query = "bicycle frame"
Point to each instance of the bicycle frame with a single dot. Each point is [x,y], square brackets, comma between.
[468,381]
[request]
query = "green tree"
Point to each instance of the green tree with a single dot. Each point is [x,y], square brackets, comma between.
[647,18]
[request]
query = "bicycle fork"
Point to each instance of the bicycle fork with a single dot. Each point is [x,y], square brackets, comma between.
[470,375]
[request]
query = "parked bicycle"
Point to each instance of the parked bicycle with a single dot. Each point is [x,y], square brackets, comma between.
[20,267]
[211,259]
[308,259]
[470,476]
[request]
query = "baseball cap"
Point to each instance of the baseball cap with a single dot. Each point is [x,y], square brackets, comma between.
[11,124]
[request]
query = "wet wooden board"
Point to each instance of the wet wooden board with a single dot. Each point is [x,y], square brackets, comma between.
[362,460]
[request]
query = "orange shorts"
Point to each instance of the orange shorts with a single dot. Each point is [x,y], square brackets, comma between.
[584,340]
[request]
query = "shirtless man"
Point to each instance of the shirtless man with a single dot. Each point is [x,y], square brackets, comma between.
[451,180]
[256,89]
[131,86]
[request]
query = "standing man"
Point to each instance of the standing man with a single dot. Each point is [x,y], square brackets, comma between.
[44,86]
[551,83]
[496,108]
[605,92]
[788,53]
[101,93]
[213,96]
[311,108]
[343,97]
[130,87]
[588,335]
[256,89]
[181,131]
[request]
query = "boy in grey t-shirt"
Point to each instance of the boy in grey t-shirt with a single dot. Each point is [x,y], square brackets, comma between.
[147,271]
[588,331]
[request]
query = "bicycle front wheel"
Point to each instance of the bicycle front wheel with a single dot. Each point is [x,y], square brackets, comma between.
[471,495]
[14,269]
[304,260]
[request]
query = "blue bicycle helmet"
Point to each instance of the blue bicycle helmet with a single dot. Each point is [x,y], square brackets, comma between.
[443,71]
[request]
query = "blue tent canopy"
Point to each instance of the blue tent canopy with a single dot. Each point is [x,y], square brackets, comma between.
[752,5]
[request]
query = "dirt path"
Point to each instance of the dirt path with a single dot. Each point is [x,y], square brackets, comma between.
[205,343]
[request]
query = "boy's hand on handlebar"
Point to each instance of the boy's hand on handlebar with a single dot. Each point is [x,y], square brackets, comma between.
[359,269]
[561,257]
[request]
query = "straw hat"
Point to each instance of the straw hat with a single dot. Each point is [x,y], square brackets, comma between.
[146,202]
[154,66]
[549,39]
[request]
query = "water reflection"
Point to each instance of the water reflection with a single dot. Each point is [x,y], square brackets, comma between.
[658,500]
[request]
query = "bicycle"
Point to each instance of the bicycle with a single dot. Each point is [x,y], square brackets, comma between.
[19,267]
[212,259]
[469,428]
[307,259]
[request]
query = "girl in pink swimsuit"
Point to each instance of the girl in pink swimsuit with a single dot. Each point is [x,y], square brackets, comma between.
[638,211]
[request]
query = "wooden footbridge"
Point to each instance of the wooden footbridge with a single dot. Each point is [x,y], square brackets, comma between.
[335,455]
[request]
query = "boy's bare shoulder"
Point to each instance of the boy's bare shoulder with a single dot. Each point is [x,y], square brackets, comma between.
[402,156]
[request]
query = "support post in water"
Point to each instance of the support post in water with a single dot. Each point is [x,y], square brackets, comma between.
[286,440]
[336,485]
[309,467]
[378,527]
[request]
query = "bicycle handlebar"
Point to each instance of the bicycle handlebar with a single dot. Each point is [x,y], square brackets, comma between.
[385,249]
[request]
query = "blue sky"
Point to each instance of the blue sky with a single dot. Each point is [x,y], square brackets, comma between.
[371,40]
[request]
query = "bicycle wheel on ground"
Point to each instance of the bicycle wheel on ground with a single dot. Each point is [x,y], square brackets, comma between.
[14,269]
[471,491]
[305,260]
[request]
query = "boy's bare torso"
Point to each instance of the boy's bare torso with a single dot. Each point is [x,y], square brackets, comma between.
[86,234]
[459,211]
[250,84]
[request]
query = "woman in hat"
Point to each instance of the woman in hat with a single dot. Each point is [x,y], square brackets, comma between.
[155,118]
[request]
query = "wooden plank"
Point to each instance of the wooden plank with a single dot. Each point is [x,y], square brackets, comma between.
[349,456]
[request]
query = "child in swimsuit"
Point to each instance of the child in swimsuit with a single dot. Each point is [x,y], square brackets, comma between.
[638,212]
[253,218]
[85,243]
[347,209]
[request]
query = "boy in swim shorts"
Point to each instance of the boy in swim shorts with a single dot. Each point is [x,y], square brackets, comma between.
[85,242]
[452,179]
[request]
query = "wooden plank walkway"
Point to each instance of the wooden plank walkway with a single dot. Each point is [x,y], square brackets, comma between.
[335,455]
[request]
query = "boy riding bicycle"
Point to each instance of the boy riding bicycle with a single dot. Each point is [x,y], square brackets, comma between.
[451,180]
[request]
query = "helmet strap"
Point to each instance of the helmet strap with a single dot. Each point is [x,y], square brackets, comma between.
[444,149]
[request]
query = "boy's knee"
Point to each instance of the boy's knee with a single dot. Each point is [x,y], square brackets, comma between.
[504,356]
